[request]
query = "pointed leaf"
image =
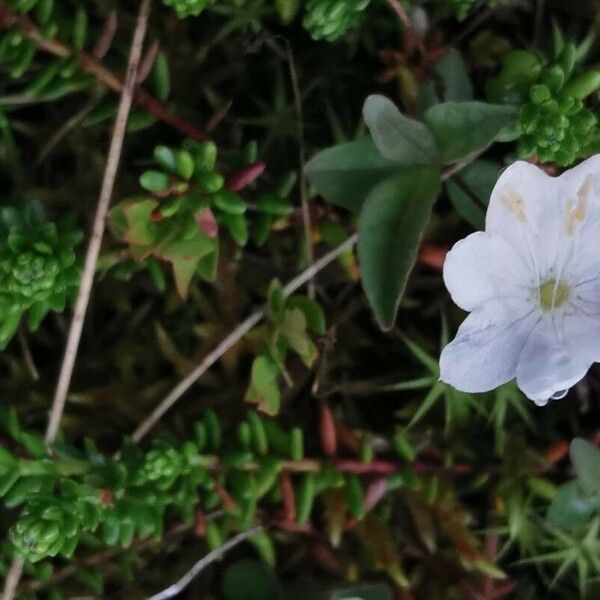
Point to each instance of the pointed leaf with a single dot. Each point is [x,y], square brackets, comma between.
[391,225]
[462,128]
[345,174]
[397,137]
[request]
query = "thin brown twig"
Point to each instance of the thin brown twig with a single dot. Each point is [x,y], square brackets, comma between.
[108,183]
[90,64]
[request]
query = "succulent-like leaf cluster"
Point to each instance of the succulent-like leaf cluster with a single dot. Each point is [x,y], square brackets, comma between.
[330,19]
[554,123]
[188,205]
[187,8]
[38,266]
[81,493]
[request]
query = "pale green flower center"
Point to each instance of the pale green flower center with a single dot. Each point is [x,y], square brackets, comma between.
[553,294]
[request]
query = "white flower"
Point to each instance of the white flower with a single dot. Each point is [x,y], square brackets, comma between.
[531,282]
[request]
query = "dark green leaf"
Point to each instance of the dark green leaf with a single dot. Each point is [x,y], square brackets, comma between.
[398,138]
[391,225]
[570,508]
[263,389]
[250,580]
[275,301]
[345,174]
[454,76]
[462,128]
[586,459]
[470,191]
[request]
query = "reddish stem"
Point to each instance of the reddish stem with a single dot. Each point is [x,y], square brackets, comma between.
[94,67]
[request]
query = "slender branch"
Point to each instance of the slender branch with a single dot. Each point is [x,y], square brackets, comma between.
[310,253]
[235,336]
[204,562]
[90,64]
[12,579]
[91,259]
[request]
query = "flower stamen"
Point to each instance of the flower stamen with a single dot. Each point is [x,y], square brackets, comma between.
[553,294]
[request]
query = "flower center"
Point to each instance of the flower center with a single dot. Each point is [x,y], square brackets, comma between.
[553,294]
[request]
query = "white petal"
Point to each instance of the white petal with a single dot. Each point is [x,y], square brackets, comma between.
[575,177]
[526,209]
[484,267]
[484,353]
[581,188]
[557,354]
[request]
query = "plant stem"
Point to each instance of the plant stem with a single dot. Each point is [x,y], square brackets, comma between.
[95,67]
[91,259]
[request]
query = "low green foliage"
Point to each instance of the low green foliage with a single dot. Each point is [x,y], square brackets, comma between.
[331,19]
[187,8]
[357,461]
[39,271]
[181,221]
[554,123]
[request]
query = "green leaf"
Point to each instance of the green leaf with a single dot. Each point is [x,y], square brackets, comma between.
[275,301]
[161,77]
[293,328]
[391,224]
[345,174]
[207,267]
[586,460]
[263,389]
[569,508]
[462,128]
[154,181]
[250,580]
[138,217]
[398,138]
[184,163]
[454,76]
[165,157]
[470,191]
[315,317]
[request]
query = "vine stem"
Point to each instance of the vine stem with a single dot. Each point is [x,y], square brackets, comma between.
[233,338]
[93,66]
[87,278]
